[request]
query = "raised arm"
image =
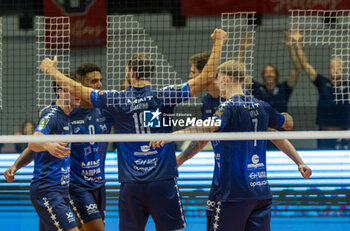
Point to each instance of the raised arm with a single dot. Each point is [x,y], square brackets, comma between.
[246,43]
[310,70]
[295,72]
[59,150]
[206,77]
[48,66]
[24,159]
[191,150]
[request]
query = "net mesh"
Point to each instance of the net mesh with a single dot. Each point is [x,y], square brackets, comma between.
[327,28]
[114,31]
[53,39]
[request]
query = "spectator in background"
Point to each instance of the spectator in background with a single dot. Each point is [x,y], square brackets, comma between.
[331,115]
[27,129]
[276,94]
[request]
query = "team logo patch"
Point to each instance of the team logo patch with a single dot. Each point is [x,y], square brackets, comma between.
[101,92]
[43,123]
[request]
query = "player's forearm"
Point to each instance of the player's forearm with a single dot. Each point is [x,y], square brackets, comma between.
[69,85]
[294,57]
[38,147]
[24,159]
[208,73]
[286,147]
[310,71]
[192,150]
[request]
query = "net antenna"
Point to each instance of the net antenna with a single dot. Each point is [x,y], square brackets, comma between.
[327,28]
[53,39]
[240,28]
[125,37]
[0,62]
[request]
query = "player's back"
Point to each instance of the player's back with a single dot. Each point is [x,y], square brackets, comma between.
[137,160]
[242,171]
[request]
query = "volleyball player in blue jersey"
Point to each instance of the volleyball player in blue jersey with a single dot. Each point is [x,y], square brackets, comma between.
[147,175]
[209,106]
[50,184]
[242,195]
[87,188]
[87,160]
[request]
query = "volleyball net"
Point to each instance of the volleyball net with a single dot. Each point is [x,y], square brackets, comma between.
[272,42]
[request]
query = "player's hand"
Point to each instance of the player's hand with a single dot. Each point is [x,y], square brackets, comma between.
[10,173]
[287,39]
[179,160]
[296,34]
[305,170]
[247,41]
[48,64]
[158,143]
[59,150]
[219,35]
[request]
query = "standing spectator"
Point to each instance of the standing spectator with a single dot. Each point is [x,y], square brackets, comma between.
[331,115]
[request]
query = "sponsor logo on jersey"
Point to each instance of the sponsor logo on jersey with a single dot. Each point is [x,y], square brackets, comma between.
[91,208]
[78,122]
[43,123]
[145,148]
[70,217]
[255,162]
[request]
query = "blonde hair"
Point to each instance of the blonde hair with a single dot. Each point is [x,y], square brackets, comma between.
[338,60]
[233,68]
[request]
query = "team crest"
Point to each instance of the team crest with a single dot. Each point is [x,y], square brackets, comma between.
[43,123]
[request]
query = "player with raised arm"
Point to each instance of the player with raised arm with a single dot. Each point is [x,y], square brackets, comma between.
[276,94]
[243,197]
[210,104]
[141,168]
[50,184]
[331,115]
[87,160]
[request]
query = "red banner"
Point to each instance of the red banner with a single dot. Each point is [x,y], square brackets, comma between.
[87,20]
[216,7]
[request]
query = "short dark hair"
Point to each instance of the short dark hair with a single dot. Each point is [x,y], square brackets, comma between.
[142,65]
[199,60]
[84,69]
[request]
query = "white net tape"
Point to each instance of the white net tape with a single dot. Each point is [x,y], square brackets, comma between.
[125,37]
[327,28]
[53,39]
[295,135]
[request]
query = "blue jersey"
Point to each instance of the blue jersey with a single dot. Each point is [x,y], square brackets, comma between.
[278,98]
[88,159]
[241,165]
[137,161]
[51,173]
[330,112]
[210,105]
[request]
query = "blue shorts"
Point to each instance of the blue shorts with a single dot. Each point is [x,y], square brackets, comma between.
[160,199]
[53,210]
[87,205]
[249,215]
